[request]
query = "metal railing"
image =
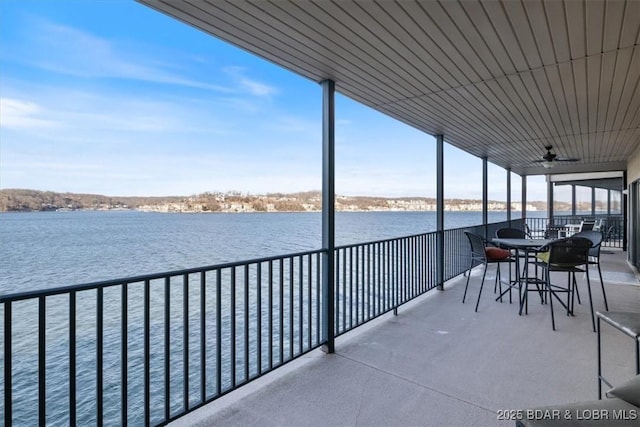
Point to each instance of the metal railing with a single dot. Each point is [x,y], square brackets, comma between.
[612,226]
[148,349]
[377,277]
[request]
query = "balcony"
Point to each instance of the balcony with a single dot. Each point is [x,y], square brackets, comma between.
[438,363]
[149,350]
[499,80]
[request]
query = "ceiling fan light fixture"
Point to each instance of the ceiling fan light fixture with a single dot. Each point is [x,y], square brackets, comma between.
[547,164]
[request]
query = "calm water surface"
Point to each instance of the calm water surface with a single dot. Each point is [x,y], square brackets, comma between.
[49,249]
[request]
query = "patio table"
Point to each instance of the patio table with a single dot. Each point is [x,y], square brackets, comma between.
[527,246]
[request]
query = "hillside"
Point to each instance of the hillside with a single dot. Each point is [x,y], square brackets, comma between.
[23,200]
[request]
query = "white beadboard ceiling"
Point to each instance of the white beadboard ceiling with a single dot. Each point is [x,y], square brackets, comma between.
[499,79]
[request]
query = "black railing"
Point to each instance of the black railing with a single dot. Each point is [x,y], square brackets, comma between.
[377,277]
[611,226]
[148,349]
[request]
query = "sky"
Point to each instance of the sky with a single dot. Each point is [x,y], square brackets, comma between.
[111,97]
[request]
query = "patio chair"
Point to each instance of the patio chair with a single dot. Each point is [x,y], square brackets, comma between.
[570,255]
[606,237]
[594,256]
[532,233]
[555,231]
[587,225]
[484,252]
[515,233]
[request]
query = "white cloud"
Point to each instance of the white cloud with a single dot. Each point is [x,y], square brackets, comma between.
[71,51]
[249,85]
[20,114]
[256,88]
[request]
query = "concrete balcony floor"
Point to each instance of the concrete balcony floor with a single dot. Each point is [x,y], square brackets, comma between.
[438,363]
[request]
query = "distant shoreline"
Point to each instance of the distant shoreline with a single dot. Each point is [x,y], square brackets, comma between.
[19,200]
[242,212]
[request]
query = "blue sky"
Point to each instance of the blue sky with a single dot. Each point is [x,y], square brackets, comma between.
[111,97]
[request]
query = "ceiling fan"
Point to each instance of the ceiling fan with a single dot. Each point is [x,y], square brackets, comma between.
[549,159]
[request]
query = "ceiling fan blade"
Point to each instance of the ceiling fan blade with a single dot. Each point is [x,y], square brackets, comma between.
[550,157]
[557,159]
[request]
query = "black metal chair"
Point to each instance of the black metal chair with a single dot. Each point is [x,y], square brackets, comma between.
[554,231]
[570,255]
[594,256]
[587,224]
[606,237]
[484,252]
[515,233]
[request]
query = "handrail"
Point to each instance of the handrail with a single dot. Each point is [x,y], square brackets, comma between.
[17,296]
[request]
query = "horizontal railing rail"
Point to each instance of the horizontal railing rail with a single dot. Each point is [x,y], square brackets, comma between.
[145,350]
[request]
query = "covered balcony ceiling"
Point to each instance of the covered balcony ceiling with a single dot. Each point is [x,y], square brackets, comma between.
[499,79]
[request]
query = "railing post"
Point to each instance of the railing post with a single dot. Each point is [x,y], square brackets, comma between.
[440,212]
[8,365]
[328,212]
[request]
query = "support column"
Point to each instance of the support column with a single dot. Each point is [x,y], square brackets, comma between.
[440,211]
[485,196]
[593,200]
[625,214]
[549,201]
[328,213]
[524,197]
[573,199]
[509,195]
[609,202]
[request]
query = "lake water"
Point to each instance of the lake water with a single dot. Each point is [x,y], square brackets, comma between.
[49,249]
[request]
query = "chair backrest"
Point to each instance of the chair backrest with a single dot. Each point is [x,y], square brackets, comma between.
[596,240]
[587,225]
[572,251]
[477,244]
[594,236]
[510,233]
[607,234]
[552,232]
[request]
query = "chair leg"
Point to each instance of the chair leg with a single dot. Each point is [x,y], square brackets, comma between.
[484,273]
[604,295]
[575,284]
[548,283]
[498,281]
[593,317]
[467,285]
[569,282]
[569,292]
[510,283]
